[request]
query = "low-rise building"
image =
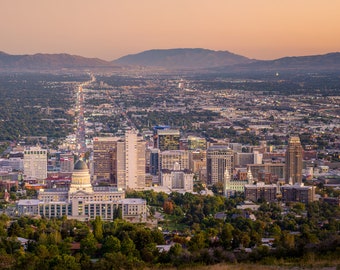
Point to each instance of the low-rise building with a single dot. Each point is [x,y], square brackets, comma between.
[133,210]
[260,191]
[298,193]
[177,179]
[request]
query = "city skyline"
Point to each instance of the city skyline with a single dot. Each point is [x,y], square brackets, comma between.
[111,29]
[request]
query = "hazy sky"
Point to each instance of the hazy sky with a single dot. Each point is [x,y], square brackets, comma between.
[108,29]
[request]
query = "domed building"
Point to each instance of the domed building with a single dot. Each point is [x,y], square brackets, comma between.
[81,179]
[82,201]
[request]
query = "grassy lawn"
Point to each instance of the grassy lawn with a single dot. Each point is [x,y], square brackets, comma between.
[172,223]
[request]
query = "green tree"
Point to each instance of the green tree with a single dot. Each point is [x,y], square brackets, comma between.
[43,239]
[227,235]
[63,262]
[54,238]
[142,238]
[14,229]
[197,242]
[176,250]
[111,244]
[288,240]
[7,261]
[128,246]
[88,245]
[98,228]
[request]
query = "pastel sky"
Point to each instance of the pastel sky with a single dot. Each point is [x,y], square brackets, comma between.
[108,29]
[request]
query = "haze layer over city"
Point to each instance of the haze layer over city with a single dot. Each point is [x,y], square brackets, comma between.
[180,134]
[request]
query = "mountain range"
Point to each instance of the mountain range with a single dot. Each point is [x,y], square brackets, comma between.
[48,62]
[185,59]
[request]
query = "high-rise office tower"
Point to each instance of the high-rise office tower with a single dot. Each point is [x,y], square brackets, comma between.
[104,150]
[168,139]
[35,163]
[219,157]
[195,143]
[119,164]
[294,160]
[169,158]
[154,161]
[120,160]
[155,134]
[134,160]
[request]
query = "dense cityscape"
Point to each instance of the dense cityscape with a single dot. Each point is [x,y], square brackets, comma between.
[170,135]
[147,168]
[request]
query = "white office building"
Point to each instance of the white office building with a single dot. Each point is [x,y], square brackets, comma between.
[35,163]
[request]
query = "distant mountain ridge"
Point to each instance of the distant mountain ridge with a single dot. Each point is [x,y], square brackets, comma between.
[329,61]
[176,59]
[48,61]
[224,61]
[183,58]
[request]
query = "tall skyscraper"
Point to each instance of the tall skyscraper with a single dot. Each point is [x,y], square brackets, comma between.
[169,158]
[195,143]
[121,160]
[155,134]
[35,163]
[168,139]
[119,164]
[104,151]
[154,161]
[219,157]
[134,148]
[294,160]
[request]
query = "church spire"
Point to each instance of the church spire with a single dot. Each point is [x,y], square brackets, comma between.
[250,177]
[226,181]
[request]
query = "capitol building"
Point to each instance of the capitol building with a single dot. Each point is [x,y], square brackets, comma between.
[83,201]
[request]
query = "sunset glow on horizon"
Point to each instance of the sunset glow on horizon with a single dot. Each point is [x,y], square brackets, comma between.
[109,29]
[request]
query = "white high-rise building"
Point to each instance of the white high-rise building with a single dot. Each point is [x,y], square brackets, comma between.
[35,163]
[134,148]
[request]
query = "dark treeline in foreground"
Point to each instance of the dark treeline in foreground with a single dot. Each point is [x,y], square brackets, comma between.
[301,235]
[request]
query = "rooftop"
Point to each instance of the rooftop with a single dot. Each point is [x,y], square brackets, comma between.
[80,165]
